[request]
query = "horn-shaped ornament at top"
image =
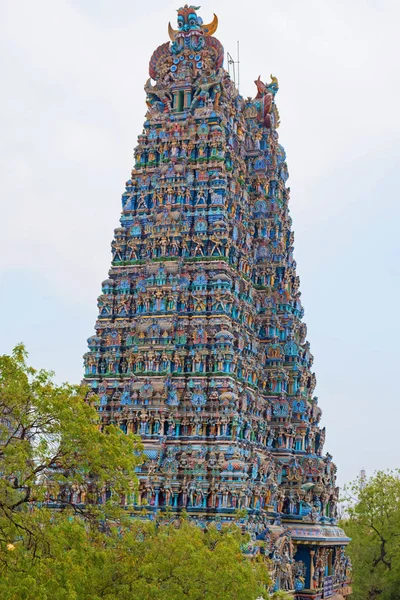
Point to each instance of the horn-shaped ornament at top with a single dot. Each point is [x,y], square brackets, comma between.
[208,30]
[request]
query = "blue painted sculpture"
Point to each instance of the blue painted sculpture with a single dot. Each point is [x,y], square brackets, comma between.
[200,346]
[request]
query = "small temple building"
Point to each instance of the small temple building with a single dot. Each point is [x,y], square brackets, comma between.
[200,345]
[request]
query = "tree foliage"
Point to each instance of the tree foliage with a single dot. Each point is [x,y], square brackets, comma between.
[138,560]
[51,445]
[373,523]
[55,547]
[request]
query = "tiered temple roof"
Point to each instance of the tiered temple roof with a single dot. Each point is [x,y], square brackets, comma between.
[200,344]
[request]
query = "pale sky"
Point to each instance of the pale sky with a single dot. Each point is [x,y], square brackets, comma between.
[71,107]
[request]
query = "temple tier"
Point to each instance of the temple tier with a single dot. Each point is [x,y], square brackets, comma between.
[200,345]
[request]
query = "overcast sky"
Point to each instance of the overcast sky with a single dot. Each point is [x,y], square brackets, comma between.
[71,107]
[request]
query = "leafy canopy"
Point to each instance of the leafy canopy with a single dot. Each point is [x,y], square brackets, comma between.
[50,445]
[138,560]
[52,547]
[373,523]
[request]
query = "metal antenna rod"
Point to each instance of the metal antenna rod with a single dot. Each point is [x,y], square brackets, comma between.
[238,64]
[231,63]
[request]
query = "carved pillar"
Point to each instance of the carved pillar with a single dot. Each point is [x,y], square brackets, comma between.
[312,554]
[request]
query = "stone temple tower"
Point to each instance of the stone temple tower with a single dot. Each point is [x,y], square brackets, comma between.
[200,343]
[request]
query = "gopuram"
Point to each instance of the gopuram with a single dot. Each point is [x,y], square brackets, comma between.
[200,344]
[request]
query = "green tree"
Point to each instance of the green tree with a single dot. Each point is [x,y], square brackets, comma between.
[137,559]
[373,523]
[50,446]
[54,547]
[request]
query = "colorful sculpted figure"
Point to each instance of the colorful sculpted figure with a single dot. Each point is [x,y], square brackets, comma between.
[189,21]
[200,346]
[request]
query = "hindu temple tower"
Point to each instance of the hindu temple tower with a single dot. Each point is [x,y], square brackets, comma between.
[200,343]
